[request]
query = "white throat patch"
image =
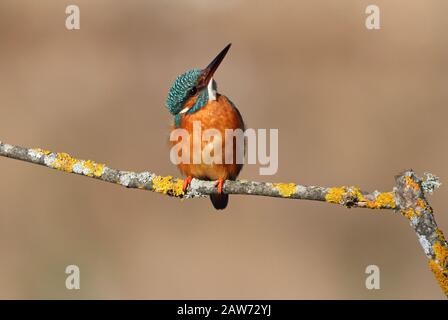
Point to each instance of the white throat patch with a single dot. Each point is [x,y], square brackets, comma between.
[211,89]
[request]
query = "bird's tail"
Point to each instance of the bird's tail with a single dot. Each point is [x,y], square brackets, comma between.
[219,201]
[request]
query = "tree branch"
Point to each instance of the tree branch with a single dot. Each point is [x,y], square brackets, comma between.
[407,197]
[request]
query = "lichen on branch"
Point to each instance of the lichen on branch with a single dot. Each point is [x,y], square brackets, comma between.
[407,197]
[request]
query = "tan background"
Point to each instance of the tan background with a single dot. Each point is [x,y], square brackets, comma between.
[352,107]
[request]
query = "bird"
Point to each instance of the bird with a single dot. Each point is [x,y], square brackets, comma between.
[193,97]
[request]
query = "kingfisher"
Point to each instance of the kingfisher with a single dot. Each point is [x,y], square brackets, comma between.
[193,98]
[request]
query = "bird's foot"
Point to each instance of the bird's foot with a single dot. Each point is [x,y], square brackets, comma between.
[220,184]
[187,182]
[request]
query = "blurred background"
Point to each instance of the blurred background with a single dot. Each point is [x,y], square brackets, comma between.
[353,107]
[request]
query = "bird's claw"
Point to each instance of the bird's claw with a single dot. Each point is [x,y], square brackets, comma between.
[220,184]
[187,182]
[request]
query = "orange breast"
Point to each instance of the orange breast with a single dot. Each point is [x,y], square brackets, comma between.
[219,115]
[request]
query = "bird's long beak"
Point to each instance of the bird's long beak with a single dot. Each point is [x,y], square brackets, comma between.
[208,72]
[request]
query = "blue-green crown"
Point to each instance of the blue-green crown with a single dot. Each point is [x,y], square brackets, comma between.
[179,90]
[178,94]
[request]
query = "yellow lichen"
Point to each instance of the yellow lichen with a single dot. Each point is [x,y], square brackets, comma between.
[411,183]
[421,203]
[168,185]
[93,168]
[422,206]
[440,275]
[43,151]
[439,265]
[383,200]
[409,213]
[64,162]
[89,166]
[99,169]
[355,193]
[335,195]
[440,234]
[441,253]
[286,189]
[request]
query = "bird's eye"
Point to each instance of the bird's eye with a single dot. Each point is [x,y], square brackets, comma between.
[192,91]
